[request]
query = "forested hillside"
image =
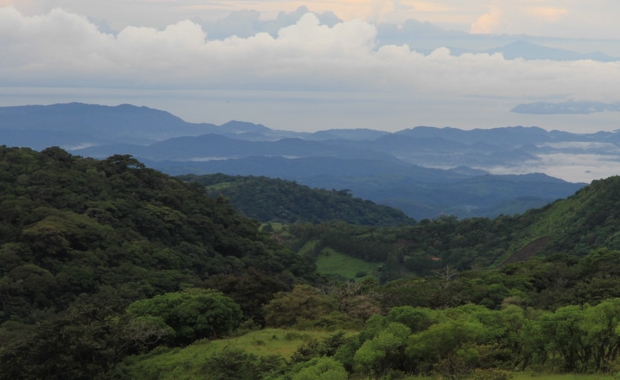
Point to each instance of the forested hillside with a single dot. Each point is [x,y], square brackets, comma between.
[576,225]
[80,239]
[275,200]
[111,270]
[552,315]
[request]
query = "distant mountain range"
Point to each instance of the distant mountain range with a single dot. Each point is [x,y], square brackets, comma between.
[424,171]
[529,51]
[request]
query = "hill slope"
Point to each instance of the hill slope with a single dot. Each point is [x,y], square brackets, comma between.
[577,225]
[275,200]
[71,225]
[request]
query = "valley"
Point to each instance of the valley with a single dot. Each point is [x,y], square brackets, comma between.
[357,264]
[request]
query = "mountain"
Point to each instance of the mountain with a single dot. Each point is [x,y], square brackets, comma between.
[419,192]
[528,50]
[405,169]
[486,195]
[275,200]
[94,124]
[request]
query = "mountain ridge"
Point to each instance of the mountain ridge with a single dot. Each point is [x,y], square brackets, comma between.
[362,159]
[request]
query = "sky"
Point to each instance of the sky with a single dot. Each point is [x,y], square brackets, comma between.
[326,65]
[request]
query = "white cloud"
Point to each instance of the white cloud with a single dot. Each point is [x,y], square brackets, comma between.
[551,14]
[518,18]
[599,147]
[489,22]
[570,167]
[62,47]
[560,18]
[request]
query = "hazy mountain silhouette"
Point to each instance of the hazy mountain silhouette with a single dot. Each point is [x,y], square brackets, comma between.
[425,171]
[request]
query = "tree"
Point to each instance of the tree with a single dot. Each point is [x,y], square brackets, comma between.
[416,318]
[86,341]
[250,291]
[564,336]
[600,327]
[324,368]
[384,351]
[193,314]
[302,303]
[448,347]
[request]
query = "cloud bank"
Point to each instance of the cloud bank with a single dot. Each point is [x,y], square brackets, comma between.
[63,48]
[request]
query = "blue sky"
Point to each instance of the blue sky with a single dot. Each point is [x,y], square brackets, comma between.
[330,64]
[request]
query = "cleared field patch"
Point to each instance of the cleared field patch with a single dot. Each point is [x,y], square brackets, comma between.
[186,363]
[330,261]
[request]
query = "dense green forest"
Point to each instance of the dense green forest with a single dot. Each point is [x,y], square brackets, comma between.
[111,270]
[276,200]
[577,225]
[82,239]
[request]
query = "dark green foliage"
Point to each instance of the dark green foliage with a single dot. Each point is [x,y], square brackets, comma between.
[313,348]
[543,283]
[251,291]
[116,231]
[276,200]
[72,225]
[81,240]
[367,243]
[421,249]
[416,319]
[85,341]
[575,226]
[193,314]
[302,303]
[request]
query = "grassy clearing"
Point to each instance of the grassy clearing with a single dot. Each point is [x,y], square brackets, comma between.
[333,262]
[308,248]
[220,186]
[563,376]
[534,376]
[186,363]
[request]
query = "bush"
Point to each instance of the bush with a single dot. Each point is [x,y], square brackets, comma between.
[231,363]
[234,363]
[193,314]
[491,374]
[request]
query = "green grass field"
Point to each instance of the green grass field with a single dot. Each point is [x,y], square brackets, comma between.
[186,363]
[333,262]
[565,376]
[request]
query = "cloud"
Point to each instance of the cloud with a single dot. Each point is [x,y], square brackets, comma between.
[515,18]
[568,166]
[58,41]
[246,23]
[547,13]
[592,19]
[65,48]
[488,23]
